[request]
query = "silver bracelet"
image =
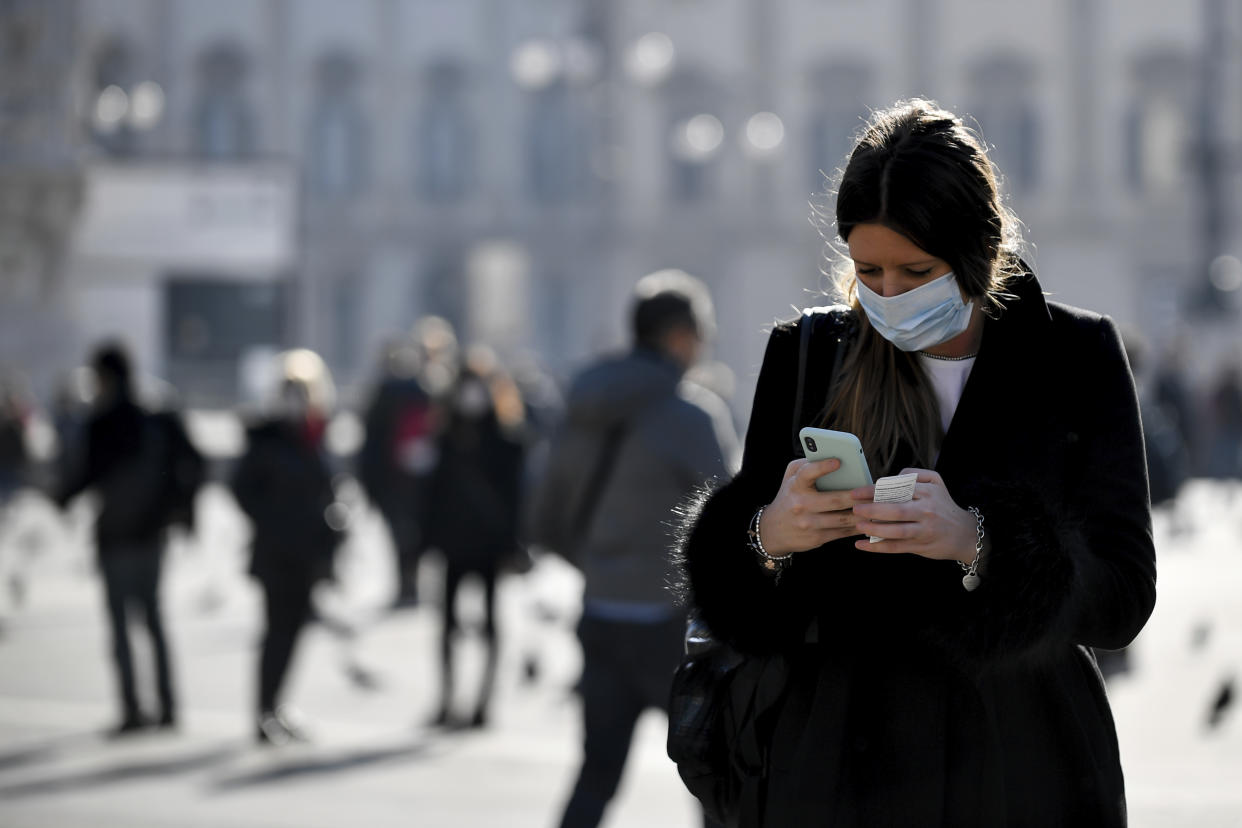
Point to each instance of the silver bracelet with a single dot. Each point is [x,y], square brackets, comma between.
[971,579]
[773,564]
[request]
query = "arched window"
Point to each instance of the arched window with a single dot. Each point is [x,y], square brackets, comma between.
[336,162]
[1002,92]
[839,92]
[224,123]
[444,137]
[1158,122]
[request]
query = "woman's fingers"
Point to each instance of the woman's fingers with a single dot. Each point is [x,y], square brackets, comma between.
[812,470]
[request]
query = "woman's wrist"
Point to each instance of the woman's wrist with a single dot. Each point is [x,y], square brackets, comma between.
[770,563]
[774,550]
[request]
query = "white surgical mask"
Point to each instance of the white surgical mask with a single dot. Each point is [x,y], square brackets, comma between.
[919,318]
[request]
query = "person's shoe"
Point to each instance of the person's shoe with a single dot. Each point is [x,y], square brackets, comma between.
[293,722]
[479,720]
[271,731]
[167,721]
[130,725]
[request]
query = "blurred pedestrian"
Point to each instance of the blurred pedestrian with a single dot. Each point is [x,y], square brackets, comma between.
[927,662]
[146,473]
[14,456]
[637,439]
[283,482]
[397,458]
[1225,408]
[473,518]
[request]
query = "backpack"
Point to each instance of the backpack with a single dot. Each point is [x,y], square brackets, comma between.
[723,703]
[154,486]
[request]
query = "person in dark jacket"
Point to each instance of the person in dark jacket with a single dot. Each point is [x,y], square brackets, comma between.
[397,458]
[473,517]
[637,439]
[283,483]
[941,675]
[145,471]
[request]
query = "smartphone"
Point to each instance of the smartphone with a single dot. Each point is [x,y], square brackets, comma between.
[822,443]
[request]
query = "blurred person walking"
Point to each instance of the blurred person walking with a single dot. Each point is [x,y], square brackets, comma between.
[397,458]
[637,439]
[1225,408]
[146,473]
[474,510]
[927,662]
[283,483]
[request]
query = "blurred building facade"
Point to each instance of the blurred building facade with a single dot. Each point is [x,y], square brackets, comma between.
[248,174]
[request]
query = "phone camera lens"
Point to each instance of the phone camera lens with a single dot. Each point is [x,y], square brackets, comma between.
[810,443]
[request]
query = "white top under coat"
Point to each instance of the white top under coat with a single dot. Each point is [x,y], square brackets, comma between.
[948,378]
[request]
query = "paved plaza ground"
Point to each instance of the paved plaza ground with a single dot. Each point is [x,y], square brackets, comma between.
[367,695]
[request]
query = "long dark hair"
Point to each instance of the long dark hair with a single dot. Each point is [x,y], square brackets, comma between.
[918,170]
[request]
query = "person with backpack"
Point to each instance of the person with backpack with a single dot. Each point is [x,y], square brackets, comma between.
[146,471]
[930,656]
[636,440]
[283,484]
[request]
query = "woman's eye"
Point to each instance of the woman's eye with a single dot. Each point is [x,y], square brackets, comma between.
[923,272]
[866,271]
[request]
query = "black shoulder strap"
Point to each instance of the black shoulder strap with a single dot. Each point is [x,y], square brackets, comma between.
[806,325]
[604,464]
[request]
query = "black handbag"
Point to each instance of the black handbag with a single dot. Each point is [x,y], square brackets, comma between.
[723,703]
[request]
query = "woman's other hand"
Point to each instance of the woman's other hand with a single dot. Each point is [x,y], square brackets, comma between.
[802,517]
[931,524]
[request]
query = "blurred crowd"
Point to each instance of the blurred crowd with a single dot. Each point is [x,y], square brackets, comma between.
[463,456]
[485,465]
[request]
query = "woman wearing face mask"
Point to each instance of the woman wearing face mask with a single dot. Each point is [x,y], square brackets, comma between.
[941,676]
[283,482]
[473,514]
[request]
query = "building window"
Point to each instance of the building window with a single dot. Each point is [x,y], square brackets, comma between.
[694,137]
[114,79]
[1158,122]
[1002,93]
[224,126]
[839,92]
[337,151]
[445,164]
[557,166]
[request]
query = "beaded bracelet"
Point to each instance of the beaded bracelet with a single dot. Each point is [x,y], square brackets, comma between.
[772,564]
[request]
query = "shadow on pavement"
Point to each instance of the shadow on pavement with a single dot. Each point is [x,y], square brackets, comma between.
[312,766]
[125,771]
[47,750]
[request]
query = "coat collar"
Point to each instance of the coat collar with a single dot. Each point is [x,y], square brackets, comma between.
[1004,374]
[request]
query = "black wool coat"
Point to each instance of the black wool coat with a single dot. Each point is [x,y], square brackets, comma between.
[283,483]
[910,701]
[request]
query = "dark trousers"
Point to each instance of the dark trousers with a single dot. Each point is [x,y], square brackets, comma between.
[454,574]
[131,575]
[627,667]
[287,606]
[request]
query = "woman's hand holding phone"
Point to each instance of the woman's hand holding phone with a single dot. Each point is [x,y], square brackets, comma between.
[801,517]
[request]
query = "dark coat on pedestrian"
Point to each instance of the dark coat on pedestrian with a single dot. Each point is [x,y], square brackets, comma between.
[476,490]
[911,701]
[144,468]
[283,483]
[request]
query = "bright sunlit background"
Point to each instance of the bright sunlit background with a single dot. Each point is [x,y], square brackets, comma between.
[218,180]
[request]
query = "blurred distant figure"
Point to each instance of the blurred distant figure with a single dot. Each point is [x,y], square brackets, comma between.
[1225,406]
[636,441]
[283,483]
[1168,456]
[146,472]
[13,454]
[1168,391]
[397,458]
[473,519]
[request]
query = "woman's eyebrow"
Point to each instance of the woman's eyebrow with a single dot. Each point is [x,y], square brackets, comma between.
[906,264]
